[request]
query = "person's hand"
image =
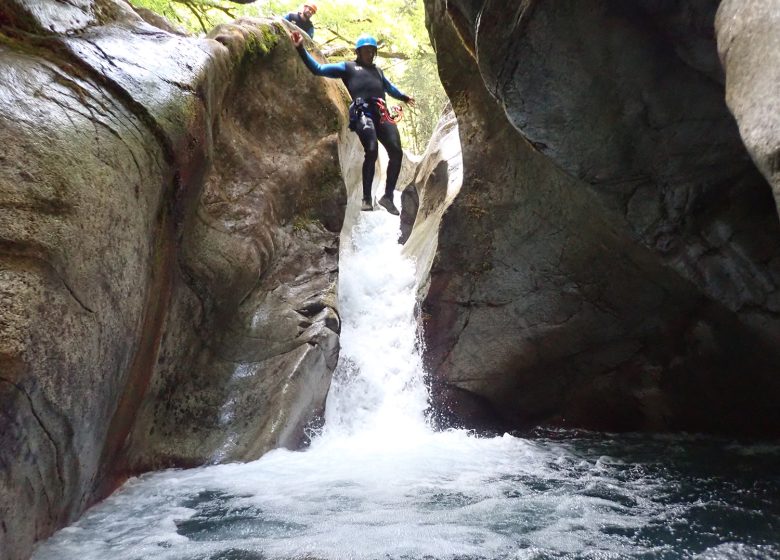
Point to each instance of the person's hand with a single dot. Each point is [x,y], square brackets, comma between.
[411,102]
[297,38]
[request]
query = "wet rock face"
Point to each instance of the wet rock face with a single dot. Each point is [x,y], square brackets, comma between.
[629,98]
[167,255]
[432,188]
[749,48]
[259,257]
[610,261]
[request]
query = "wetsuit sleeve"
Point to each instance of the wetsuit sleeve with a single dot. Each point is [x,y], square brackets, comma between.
[394,91]
[288,17]
[337,70]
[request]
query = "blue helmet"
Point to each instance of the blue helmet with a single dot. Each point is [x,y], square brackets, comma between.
[365,40]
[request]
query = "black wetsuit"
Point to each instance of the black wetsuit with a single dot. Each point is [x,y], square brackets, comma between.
[367,83]
[301,22]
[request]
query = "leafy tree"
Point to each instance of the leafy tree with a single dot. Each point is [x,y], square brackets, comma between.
[405,52]
[194,15]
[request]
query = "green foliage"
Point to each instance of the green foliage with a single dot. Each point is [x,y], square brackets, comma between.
[420,78]
[197,15]
[405,51]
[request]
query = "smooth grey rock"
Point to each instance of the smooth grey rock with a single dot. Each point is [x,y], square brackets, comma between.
[749,48]
[410,203]
[629,98]
[436,183]
[82,183]
[167,257]
[549,301]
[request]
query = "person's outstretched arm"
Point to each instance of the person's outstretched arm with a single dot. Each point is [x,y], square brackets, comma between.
[336,70]
[393,91]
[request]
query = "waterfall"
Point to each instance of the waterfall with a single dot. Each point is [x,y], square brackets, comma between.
[377,389]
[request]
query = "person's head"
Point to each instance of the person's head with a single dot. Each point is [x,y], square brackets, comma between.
[365,49]
[308,10]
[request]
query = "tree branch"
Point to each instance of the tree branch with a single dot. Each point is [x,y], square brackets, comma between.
[199,9]
[346,51]
[197,13]
[338,35]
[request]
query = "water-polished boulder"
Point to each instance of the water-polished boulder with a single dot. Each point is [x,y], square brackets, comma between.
[170,211]
[749,48]
[433,186]
[611,260]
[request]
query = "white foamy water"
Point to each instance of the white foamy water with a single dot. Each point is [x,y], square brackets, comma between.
[377,392]
[378,483]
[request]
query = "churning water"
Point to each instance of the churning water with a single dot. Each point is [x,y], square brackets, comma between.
[378,483]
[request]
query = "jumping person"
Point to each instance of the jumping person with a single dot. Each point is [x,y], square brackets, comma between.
[303,18]
[367,114]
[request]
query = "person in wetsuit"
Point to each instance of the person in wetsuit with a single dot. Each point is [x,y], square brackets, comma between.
[303,18]
[366,85]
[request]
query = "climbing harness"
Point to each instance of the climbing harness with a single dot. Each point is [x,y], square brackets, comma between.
[389,114]
[357,109]
[374,107]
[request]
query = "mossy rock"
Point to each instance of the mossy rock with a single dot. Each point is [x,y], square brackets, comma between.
[248,37]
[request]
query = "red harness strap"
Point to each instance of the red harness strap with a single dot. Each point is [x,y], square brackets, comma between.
[392,115]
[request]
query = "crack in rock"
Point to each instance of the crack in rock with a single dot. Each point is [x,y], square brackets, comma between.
[49,436]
